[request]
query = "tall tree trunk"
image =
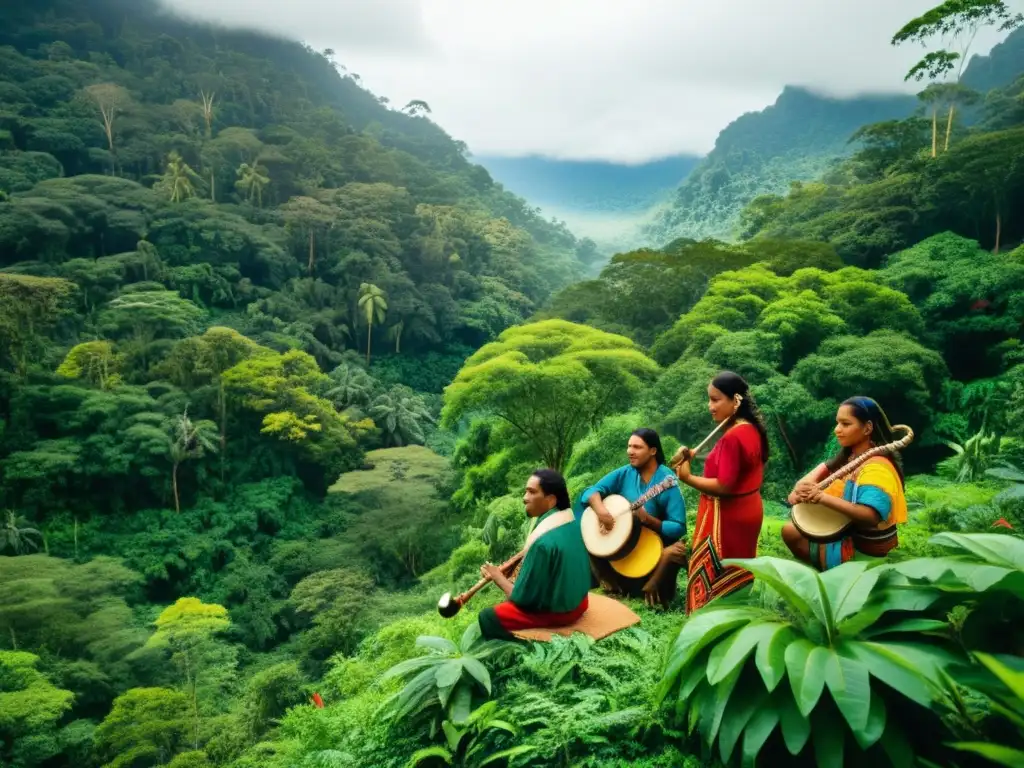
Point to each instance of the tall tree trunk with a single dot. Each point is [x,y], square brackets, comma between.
[369,336]
[213,187]
[312,252]
[935,130]
[949,126]
[76,537]
[785,439]
[174,483]
[999,230]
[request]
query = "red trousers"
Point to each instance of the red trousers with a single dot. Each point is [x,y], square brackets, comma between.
[506,618]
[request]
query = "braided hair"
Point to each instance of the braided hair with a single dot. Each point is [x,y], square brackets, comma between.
[867,411]
[731,384]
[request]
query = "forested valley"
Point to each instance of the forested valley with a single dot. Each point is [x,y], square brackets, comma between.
[276,360]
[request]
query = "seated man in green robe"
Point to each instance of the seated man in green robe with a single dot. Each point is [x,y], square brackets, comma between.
[554,577]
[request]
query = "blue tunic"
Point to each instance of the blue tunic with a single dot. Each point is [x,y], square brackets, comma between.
[668,506]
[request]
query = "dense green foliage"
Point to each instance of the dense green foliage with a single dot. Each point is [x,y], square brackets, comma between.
[276,361]
[803,136]
[796,139]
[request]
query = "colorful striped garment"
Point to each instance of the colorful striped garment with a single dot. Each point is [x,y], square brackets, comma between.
[877,485]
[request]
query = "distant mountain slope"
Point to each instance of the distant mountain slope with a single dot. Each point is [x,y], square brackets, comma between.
[796,139]
[590,186]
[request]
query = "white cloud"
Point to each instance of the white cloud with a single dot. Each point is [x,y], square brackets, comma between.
[381,26]
[625,80]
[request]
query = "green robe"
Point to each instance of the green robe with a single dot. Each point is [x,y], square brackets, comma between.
[554,577]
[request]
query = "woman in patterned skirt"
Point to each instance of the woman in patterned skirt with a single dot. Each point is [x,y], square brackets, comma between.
[730,511]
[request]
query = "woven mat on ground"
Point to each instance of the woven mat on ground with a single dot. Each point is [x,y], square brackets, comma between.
[604,617]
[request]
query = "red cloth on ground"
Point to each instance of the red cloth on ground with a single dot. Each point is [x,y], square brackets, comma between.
[513,618]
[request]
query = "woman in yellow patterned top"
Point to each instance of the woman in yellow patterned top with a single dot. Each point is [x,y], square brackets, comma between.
[872,497]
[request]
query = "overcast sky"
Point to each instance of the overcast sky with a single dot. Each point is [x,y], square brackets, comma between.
[621,80]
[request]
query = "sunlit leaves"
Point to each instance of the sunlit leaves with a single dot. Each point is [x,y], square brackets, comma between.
[551,381]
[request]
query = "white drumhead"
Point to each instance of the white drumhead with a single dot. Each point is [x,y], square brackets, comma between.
[605,544]
[818,520]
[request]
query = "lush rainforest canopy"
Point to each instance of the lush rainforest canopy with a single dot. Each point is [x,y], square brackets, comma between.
[276,360]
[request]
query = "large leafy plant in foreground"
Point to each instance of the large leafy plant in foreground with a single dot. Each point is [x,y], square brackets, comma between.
[741,672]
[448,682]
[982,584]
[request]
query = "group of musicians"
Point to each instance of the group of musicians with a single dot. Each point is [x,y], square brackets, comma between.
[557,571]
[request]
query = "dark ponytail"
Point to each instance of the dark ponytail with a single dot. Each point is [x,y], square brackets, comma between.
[731,384]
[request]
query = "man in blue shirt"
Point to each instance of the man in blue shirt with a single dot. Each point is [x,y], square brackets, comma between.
[665,514]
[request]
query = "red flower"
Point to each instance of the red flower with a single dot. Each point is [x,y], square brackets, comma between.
[1001,523]
[318,701]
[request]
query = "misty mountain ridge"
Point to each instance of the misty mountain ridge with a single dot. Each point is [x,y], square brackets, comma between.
[798,138]
[590,185]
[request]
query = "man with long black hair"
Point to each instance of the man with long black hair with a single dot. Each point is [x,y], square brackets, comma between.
[665,514]
[554,579]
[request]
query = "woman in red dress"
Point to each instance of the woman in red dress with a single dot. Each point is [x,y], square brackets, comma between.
[730,512]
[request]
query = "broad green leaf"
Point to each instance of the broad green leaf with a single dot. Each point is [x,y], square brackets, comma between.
[888,664]
[849,587]
[502,725]
[928,659]
[711,718]
[696,674]
[505,754]
[848,682]
[731,653]
[908,625]
[796,728]
[461,704]
[699,631]
[411,665]
[994,548]
[796,583]
[744,702]
[445,693]
[453,734]
[414,692]
[428,752]
[950,573]
[829,738]
[702,709]
[757,732]
[1006,756]
[469,638]
[889,599]
[479,671]
[875,727]
[439,644]
[771,656]
[1009,670]
[448,674]
[806,665]
[483,712]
